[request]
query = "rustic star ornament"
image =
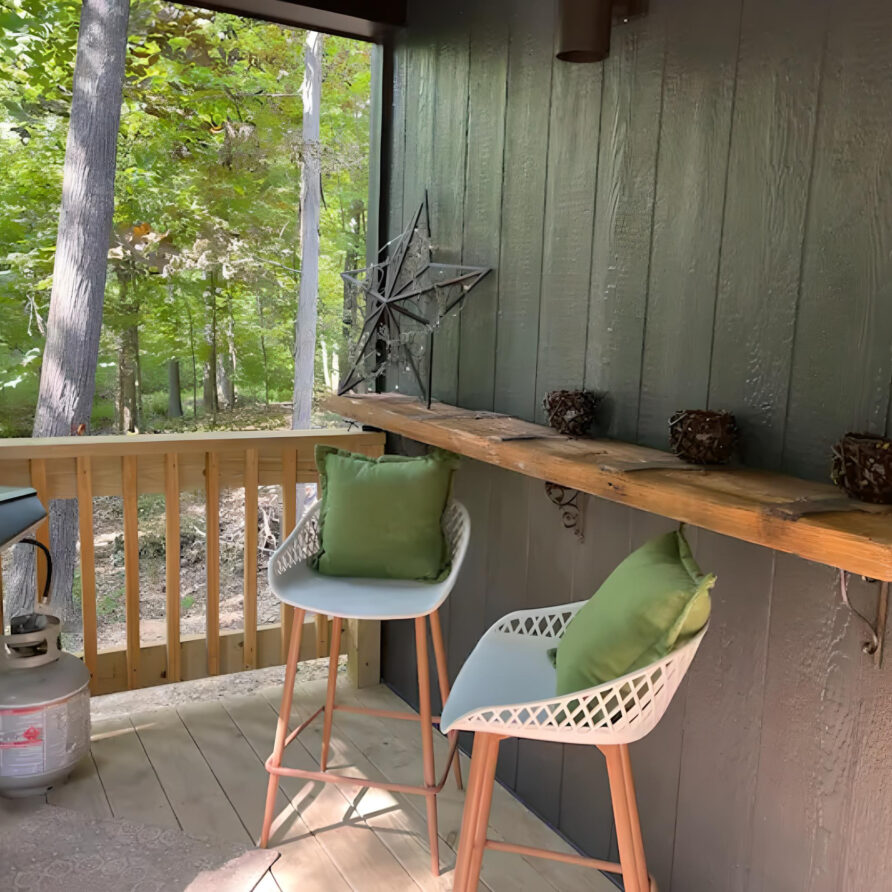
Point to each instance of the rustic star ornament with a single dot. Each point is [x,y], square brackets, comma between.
[406,298]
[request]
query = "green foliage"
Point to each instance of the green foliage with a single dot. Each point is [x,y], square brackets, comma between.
[110,605]
[206,232]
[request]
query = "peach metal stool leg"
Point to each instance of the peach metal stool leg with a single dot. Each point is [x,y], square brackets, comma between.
[469,814]
[482,808]
[428,789]
[427,739]
[330,691]
[474,842]
[443,679]
[637,841]
[624,832]
[282,723]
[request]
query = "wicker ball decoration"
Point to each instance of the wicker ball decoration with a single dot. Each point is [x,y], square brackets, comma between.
[703,437]
[862,466]
[571,412]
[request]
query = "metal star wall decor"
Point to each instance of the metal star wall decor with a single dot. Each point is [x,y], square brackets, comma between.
[406,297]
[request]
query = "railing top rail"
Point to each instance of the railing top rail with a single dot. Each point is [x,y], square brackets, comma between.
[154,444]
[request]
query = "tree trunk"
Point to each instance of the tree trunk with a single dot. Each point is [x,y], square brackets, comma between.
[138,367]
[68,374]
[228,358]
[194,360]
[128,360]
[174,402]
[310,201]
[128,395]
[210,344]
[348,317]
[263,351]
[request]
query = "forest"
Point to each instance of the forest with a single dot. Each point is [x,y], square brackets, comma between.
[181,191]
[204,264]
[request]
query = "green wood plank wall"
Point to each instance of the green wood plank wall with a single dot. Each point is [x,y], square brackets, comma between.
[703,219]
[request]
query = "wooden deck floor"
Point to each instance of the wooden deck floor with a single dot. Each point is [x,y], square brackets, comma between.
[199,767]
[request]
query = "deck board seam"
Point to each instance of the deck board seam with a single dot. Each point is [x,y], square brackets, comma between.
[182,721]
[176,817]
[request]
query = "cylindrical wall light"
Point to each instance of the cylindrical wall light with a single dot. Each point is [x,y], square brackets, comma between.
[583,28]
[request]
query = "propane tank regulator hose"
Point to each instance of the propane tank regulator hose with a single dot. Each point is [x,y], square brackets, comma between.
[45,597]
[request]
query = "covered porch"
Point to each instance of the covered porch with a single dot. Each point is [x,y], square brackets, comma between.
[700,221]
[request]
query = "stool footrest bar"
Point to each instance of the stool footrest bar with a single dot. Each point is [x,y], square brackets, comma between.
[331,777]
[565,857]
[384,713]
[302,726]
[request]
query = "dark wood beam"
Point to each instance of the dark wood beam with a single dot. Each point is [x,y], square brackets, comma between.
[370,20]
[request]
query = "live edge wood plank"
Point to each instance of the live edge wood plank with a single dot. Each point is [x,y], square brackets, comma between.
[734,502]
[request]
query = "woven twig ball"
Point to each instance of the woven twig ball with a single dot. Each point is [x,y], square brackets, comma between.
[703,437]
[862,466]
[571,412]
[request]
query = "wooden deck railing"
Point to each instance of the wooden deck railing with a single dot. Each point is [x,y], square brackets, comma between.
[130,466]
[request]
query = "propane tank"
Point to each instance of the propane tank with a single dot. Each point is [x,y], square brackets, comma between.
[44,704]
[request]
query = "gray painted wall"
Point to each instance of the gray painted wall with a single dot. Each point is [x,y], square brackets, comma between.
[704,219]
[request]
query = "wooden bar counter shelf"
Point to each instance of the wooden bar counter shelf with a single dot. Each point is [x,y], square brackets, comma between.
[811,520]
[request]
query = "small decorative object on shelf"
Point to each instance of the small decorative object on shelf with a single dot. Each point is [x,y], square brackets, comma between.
[571,412]
[703,437]
[862,466]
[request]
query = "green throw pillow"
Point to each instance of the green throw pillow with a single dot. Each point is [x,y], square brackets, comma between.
[656,599]
[381,517]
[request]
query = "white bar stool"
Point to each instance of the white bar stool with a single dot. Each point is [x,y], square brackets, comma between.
[296,584]
[506,689]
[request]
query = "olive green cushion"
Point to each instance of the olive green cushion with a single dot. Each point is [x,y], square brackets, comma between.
[656,599]
[381,517]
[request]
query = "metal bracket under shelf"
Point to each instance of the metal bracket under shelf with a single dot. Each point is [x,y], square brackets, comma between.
[877,629]
[571,503]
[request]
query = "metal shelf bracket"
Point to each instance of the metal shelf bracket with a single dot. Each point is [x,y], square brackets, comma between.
[571,503]
[873,646]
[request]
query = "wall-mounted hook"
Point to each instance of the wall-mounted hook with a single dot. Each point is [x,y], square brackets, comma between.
[876,629]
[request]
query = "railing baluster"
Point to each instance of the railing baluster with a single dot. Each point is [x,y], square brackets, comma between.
[323,638]
[252,475]
[88,560]
[172,561]
[130,490]
[212,516]
[38,481]
[289,521]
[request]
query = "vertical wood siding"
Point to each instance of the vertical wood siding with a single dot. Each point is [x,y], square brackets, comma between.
[705,219]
